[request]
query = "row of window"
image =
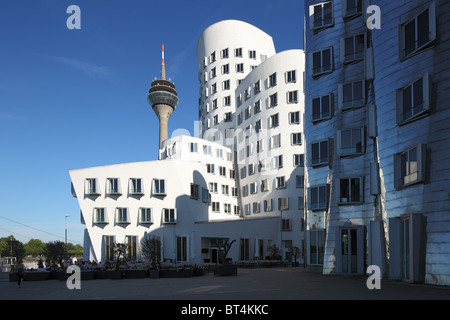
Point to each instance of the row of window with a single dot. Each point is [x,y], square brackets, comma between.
[415,35]
[276,162]
[135,186]
[264,185]
[225,54]
[267,205]
[122,215]
[207,151]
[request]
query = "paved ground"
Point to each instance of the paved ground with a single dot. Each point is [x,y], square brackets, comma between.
[250,284]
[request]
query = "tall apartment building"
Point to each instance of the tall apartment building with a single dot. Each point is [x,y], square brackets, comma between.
[376,126]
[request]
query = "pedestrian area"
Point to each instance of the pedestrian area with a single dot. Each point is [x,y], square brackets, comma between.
[250,284]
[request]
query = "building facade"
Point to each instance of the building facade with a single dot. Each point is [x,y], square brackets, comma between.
[375,107]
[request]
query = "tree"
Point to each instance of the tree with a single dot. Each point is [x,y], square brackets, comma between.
[35,247]
[151,248]
[275,253]
[12,248]
[55,252]
[74,250]
[120,254]
[224,246]
[295,251]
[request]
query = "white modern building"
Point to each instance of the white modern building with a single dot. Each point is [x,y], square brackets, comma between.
[248,188]
[376,130]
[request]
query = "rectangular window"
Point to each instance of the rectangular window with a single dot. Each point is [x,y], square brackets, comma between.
[318,197]
[352,95]
[145,215]
[418,33]
[194,191]
[252,54]
[227,208]
[224,53]
[240,67]
[257,87]
[413,100]
[353,48]
[322,62]
[226,85]
[226,69]
[253,188]
[267,205]
[169,215]
[122,215]
[294,117]
[244,249]
[265,185]
[225,189]
[205,195]
[286,225]
[283,203]
[321,107]
[292,96]
[256,207]
[273,100]
[351,190]
[182,248]
[409,166]
[299,160]
[210,168]
[352,8]
[193,147]
[136,186]
[131,242]
[280,183]
[100,215]
[159,186]
[299,181]
[213,187]
[273,80]
[273,121]
[215,206]
[113,186]
[351,142]
[296,138]
[91,186]
[291,76]
[238,52]
[319,153]
[321,15]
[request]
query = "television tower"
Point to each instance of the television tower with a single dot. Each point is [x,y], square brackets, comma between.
[163,99]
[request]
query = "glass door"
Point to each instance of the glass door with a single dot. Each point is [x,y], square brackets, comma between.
[316,247]
[349,250]
[405,249]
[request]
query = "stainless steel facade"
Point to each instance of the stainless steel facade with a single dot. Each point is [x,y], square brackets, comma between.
[376,106]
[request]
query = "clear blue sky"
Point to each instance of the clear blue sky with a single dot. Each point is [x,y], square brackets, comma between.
[72,99]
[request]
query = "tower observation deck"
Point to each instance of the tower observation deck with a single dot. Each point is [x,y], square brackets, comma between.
[163,99]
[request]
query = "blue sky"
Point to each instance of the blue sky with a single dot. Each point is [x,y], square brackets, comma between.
[72,99]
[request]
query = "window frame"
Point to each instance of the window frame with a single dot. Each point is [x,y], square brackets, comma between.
[156,189]
[426,96]
[322,115]
[399,177]
[141,212]
[351,153]
[312,16]
[317,73]
[354,102]
[318,206]
[169,219]
[319,162]
[349,197]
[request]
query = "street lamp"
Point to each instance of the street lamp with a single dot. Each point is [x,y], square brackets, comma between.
[67,215]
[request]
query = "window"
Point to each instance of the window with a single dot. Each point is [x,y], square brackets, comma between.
[212,57]
[227,208]
[296,138]
[409,166]
[227,101]
[207,150]
[413,100]
[273,80]
[318,197]
[225,189]
[100,215]
[224,53]
[257,87]
[195,191]
[265,185]
[215,206]
[319,153]
[253,188]
[292,96]
[248,112]
[245,191]
[351,190]
[352,8]
[252,54]
[273,100]
[280,183]
[234,191]
[352,48]
[193,147]
[226,69]
[244,249]
[213,187]
[322,62]
[256,207]
[91,186]
[182,248]
[248,93]
[273,121]
[267,205]
[286,225]
[227,117]
[169,215]
[294,117]
[278,162]
[251,169]
[351,142]
[238,52]
[159,186]
[352,95]
[226,85]
[283,203]
[240,67]
[321,15]
[299,181]
[145,215]
[210,168]
[243,172]
[131,242]
[322,108]
[113,186]
[291,76]
[122,215]
[418,33]
[258,124]
[299,160]
[205,195]
[136,186]
[213,73]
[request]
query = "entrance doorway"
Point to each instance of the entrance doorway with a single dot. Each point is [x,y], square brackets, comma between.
[351,250]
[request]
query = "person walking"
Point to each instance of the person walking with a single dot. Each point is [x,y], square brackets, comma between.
[20,271]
